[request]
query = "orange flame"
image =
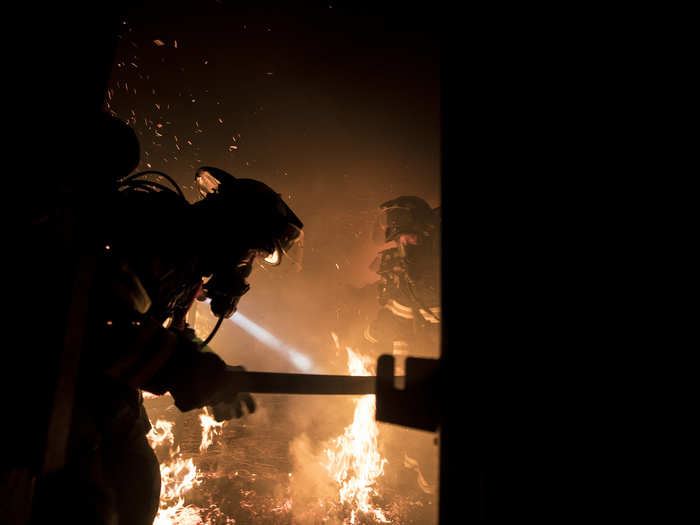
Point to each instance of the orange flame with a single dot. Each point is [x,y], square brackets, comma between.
[177,476]
[161,432]
[354,460]
[210,428]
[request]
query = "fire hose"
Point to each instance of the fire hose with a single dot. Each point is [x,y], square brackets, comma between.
[312,384]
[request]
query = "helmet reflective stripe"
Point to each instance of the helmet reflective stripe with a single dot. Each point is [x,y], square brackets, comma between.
[206,182]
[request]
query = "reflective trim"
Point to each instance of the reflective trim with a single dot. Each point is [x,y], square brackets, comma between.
[407,312]
[435,310]
[397,308]
[368,336]
[400,348]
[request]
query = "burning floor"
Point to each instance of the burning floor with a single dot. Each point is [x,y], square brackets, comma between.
[298,460]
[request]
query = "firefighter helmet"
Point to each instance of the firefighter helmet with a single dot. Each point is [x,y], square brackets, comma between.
[405,215]
[261,219]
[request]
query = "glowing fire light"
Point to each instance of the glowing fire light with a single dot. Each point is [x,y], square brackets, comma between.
[161,432]
[354,460]
[210,428]
[178,475]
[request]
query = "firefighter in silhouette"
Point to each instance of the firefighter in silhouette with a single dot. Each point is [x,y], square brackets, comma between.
[159,254]
[408,289]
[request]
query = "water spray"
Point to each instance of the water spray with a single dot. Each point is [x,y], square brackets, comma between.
[298,359]
[309,382]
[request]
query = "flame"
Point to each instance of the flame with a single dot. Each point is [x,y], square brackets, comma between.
[210,428]
[161,432]
[148,395]
[178,475]
[354,461]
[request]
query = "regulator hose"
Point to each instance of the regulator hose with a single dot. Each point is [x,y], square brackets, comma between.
[213,332]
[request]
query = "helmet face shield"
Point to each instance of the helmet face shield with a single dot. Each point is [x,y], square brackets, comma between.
[292,244]
[274,258]
[392,222]
[379,228]
[405,215]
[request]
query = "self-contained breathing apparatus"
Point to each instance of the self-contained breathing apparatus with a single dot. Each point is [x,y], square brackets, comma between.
[262,225]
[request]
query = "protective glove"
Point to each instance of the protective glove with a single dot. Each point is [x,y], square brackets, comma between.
[233,407]
[223,411]
[197,379]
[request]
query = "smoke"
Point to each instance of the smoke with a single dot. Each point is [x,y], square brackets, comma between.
[311,487]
